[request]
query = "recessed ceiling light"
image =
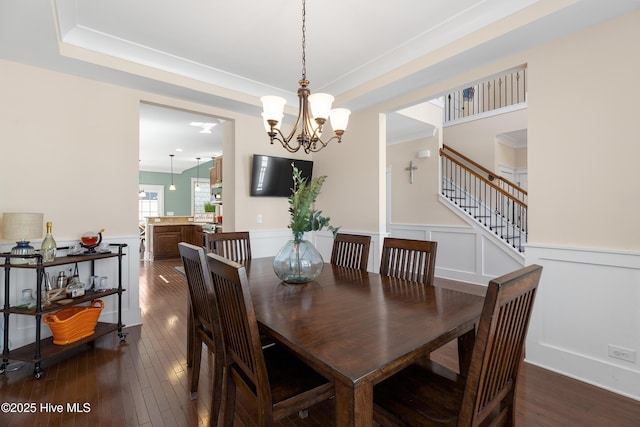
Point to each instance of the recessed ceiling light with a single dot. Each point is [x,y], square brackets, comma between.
[179,150]
[206,127]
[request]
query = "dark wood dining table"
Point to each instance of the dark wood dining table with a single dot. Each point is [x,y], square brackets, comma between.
[358,328]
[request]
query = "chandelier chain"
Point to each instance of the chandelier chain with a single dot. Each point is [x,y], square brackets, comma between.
[304,41]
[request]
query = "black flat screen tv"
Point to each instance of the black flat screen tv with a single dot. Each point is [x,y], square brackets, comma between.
[273,176]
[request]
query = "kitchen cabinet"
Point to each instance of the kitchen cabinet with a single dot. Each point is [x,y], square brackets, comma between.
[44,349]
[164,239]
[215,172]
[198,235]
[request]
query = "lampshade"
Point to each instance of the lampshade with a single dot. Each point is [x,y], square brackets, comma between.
[22,226]
[273,107]
[267,126]
[339,119]
[320,104]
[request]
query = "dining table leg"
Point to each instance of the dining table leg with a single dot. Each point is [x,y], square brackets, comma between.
[466,342]
[354,404]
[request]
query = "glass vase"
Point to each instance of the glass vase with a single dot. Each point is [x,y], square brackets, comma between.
[298,262]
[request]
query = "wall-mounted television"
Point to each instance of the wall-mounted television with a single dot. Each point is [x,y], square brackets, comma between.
[273,176]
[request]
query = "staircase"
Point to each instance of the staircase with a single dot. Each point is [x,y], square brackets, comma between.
[494,202]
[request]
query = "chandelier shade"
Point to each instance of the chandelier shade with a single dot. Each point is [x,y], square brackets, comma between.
[313,112]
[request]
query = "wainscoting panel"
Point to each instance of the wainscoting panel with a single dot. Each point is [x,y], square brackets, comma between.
[268,243]
[464,253]
[457,251]
[495,260]
[587,301]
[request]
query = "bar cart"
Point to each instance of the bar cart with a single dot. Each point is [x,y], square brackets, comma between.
[44,349]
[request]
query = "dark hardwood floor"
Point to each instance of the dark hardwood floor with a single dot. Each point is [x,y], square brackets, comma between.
[144,382]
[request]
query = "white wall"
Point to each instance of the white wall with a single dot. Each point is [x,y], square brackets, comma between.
[583,204]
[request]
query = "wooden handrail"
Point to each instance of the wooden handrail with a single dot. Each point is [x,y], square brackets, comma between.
[482,178]
[489,173]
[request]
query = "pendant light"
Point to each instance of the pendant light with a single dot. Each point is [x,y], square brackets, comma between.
[172,187]
[198,174]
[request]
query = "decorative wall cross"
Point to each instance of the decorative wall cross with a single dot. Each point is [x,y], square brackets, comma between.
[411,168]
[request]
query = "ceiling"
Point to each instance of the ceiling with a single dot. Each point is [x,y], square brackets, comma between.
[165,131]
[230,53]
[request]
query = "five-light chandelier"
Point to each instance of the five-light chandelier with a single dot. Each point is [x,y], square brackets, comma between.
[313,111]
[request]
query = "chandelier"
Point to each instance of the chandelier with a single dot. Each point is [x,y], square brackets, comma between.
[313,111]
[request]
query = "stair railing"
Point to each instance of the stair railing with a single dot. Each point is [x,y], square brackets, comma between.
[499,91]
[495,202]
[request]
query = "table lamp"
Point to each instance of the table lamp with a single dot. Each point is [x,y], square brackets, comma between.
[22,227]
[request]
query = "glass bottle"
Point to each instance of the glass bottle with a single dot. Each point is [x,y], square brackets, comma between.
[48,248]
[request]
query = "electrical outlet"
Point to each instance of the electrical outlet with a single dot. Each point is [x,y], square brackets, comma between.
[622,353]
[259,218]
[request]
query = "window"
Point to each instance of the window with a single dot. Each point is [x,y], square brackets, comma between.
[150,201]
[200,196]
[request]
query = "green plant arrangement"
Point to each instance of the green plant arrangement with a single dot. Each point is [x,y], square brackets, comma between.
[304,217]
[299,261]
[209,207]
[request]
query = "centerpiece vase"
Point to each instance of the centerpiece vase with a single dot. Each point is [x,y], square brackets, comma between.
[298,262]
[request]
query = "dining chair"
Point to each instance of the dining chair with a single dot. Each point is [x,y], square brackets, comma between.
[278,382]
[351,251]
[203,324]
[432,395]
[412,260]
[235,246]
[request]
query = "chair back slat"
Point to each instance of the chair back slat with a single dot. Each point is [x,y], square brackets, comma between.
[351,251]
[499,347]
[201,294]
[235,246]
[407,259]
[238,320]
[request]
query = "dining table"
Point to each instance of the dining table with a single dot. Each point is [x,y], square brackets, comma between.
[358,328]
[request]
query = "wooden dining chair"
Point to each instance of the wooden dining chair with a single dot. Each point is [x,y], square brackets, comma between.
[235,246]
[277,381]
[412,260]
[351,251]
[432,395]
[203,324]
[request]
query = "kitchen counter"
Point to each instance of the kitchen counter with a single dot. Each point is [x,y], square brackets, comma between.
[163,235]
